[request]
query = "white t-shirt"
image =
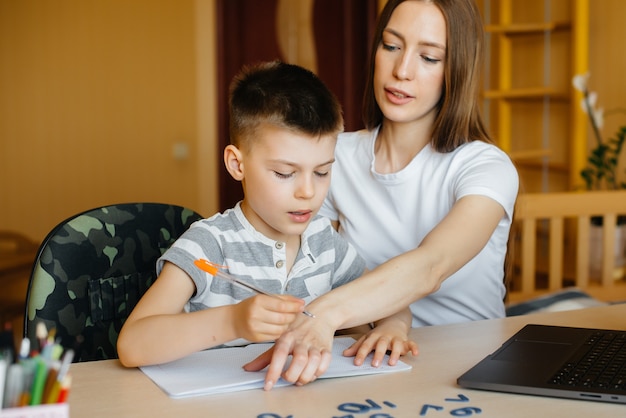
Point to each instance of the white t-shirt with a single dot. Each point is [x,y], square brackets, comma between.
[384,215]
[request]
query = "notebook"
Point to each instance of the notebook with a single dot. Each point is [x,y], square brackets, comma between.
[220,370]
[556,361]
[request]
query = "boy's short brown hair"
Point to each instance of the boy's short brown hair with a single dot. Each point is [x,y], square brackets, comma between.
[284,95]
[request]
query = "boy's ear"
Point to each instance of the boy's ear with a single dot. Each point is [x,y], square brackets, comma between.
[233,162]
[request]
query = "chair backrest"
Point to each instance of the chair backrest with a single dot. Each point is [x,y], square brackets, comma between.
[565,221]
[92,269]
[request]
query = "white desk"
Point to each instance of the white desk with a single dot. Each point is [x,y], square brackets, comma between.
[106,389]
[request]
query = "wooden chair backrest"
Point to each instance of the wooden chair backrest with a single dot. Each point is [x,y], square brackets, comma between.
[554,209]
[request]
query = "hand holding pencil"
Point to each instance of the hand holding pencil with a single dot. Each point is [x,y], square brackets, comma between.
[259,318]
[213,270]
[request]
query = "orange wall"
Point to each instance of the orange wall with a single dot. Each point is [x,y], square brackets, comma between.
[94,96]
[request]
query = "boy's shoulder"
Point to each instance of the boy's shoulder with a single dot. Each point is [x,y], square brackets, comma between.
[228,220]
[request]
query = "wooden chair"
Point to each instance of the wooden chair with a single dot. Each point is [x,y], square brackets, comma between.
[563,222]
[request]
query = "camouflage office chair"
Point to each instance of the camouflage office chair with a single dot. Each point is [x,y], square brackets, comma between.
[92,269]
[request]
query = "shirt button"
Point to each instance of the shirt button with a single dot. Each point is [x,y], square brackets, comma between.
[279,264]
[280,245]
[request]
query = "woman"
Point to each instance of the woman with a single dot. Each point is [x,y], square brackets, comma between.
[422,193]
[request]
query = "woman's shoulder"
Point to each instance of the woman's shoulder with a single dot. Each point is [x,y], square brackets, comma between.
[479,163]
[354,137]
[356,143]
[482,166]
[481,146]
[481,151]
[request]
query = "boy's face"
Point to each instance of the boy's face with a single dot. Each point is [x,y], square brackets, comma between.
[285,178]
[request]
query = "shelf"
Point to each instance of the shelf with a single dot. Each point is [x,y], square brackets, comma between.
[526,155]
[526,93]
[556,167]
[533,50]
[527,28]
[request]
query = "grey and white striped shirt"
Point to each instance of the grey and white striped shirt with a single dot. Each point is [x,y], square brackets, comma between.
[325,260]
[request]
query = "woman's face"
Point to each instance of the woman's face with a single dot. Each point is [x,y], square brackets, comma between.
[409,63]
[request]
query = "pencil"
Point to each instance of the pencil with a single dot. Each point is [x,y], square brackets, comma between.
[52,395]
[41,371]
[65,389]
[48,386]
[213,270]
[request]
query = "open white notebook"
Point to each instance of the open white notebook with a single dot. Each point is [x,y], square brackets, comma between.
[220,370]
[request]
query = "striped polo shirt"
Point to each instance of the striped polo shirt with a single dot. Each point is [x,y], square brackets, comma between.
[325,260]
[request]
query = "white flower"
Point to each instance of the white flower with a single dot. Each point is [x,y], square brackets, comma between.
[598,116]
[580,82]
[601,170]
[589,100]
[593,99]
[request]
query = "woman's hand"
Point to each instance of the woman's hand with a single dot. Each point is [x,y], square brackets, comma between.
[381,340]
[309,341]
[390,335]
[264,318]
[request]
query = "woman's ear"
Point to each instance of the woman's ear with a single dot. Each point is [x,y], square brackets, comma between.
[233,162]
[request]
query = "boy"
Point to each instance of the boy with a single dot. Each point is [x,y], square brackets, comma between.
[284,126]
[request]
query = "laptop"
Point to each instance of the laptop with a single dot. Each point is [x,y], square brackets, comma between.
[556,361]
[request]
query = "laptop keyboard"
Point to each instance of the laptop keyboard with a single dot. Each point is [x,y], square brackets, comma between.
[600,363]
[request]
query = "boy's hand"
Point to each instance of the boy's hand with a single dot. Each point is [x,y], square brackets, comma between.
[390,335]
[263,318]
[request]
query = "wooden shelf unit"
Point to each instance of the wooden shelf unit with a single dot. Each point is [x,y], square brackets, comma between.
[534,48]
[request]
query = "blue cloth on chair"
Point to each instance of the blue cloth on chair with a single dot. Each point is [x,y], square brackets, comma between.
[563,300]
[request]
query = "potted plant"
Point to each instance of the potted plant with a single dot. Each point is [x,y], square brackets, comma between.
[602,170]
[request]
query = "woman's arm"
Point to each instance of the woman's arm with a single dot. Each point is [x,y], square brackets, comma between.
[393,285]
[158,329]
